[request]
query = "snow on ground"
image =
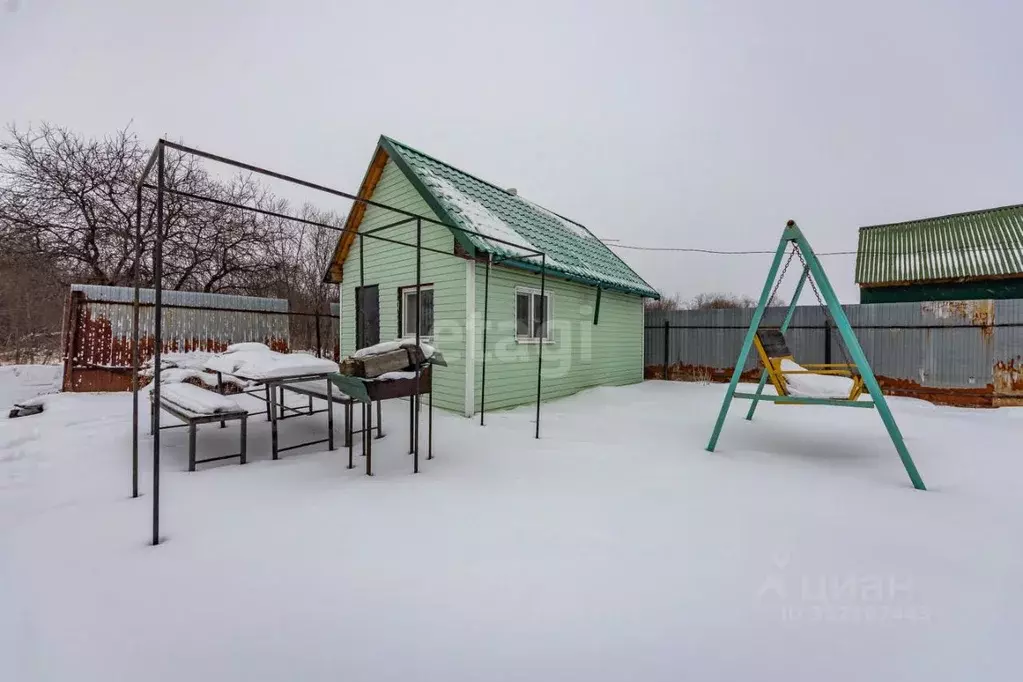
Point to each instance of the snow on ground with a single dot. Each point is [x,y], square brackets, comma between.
[21,382]
[614,548]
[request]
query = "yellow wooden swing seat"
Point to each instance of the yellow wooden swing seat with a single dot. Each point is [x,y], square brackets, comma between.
[774,351]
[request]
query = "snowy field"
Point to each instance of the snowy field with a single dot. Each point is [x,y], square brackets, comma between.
[614,548]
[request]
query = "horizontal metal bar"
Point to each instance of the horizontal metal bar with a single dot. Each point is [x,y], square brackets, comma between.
[282,381]
[299,413]
[330,190]
[865,326]
[285,216]
[218,309]
[288,408]
[388,226]
[793,400]
[337,397]
[217,459]
[302,445]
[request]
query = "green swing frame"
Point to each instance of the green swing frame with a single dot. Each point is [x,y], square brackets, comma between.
[813,268]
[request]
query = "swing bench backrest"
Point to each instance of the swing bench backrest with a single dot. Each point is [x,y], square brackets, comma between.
[772,344]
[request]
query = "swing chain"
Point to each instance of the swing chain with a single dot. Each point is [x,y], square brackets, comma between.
[781,278]
[827,314]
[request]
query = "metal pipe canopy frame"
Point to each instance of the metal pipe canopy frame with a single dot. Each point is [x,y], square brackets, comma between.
[158,159]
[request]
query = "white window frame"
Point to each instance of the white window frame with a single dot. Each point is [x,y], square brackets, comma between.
[403,292]
[548,309]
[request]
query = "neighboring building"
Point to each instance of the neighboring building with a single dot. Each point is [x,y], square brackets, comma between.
[594,314]
[976,255]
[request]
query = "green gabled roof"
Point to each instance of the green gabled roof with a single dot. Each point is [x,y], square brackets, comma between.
[971,245]
[498,214]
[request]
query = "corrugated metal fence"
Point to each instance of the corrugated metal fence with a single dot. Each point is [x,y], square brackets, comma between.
[98,330]
[953,352]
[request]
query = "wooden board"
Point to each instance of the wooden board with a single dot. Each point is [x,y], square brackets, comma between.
[774,343]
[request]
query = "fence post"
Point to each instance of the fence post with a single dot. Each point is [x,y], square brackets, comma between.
[70,340]
[827,343]
[667,330]
[319,352]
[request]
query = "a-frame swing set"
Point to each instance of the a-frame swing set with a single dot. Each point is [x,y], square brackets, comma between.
[775,356]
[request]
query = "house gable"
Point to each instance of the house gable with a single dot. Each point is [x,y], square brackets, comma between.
[488,219]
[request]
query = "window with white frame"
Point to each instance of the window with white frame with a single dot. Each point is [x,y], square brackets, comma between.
[407,314]
[532,315]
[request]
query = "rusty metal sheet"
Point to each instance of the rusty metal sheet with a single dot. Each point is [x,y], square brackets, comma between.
[99,334]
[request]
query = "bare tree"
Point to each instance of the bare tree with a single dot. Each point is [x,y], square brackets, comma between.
[718,301]
[665,303]
[30,310]
[73,201]
[68,214]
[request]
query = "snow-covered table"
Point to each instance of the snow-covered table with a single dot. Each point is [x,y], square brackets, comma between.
[262,367]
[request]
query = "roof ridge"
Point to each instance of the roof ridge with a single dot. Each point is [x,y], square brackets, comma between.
[943,217]
[609,270]
[445,163]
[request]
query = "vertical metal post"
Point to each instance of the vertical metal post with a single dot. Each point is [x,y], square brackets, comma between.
[784,327]
[245,439]
[157,335]
[546,330]
[367,441]
[349,428]
[667,333]
[135,348]
[827,342]
[858,356]
[319,350]
[271,391]
[747,343]
[191,446]
[486,311]
[429,442]
[411,424]
[330,414]
[360,309]
[419,308]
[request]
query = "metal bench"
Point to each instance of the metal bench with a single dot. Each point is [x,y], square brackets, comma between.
[193,419]
[318,389]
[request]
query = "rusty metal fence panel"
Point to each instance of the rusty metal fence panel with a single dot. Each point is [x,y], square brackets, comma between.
[952,352]
[98,330]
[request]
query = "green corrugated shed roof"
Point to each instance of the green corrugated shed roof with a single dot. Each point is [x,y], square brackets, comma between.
[499,214]
[971,245]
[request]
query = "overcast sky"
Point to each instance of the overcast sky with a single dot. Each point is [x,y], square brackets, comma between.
[685,124]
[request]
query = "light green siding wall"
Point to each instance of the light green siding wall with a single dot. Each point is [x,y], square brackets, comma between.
[391,266]
[582,354]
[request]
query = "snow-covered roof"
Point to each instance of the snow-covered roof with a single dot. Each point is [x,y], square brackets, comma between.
[511,227]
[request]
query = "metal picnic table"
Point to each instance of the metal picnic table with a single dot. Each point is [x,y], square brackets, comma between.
[275,409]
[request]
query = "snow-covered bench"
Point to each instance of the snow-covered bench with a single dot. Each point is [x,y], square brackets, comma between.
[194,406]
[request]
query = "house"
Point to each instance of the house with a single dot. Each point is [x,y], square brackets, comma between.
[975,255]
[591,328]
